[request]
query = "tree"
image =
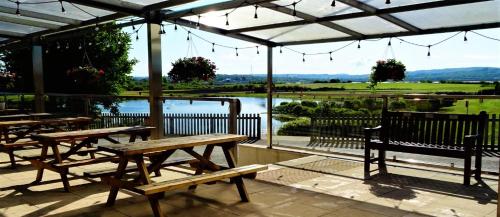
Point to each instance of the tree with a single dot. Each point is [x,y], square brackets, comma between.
[191,69]
[387,70]
[94,62]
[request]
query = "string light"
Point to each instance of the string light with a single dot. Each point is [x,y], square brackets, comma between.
[189,33]
[236,49]
[303,57]
[428,50]
[333,3]
[257,49]
[331,58]
[359,44]
[58,45]
[47,50]
[294,11]
[255,16]
[137,36]
[96,24]
[133,26]
[67,45]
[18,12]
[213,47]
[387,2]
[227,19]
[281,49]
[389,44]
[80,46]
[175,25]
[62,7]
[198,23]
[465,36]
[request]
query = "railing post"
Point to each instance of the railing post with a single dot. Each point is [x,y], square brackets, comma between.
[86,105]
[234,110]
[171,125]
[38,82]
[259,125]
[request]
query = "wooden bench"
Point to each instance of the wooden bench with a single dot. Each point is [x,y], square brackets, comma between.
[155,191]
[445,135]
[11,147]
[132,168]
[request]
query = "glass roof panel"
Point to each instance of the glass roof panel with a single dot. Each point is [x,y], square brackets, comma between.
[195,4]
[458,15]
[29,20]
[16,28]
[395,3]
[319,8]
[242,17]
[54,9]
[297,33]
[370,25]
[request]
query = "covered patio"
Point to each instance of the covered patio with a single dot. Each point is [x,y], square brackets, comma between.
[312,184]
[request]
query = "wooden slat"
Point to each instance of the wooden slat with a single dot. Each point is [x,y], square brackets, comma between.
[198,179]
[92,133]
[171,143]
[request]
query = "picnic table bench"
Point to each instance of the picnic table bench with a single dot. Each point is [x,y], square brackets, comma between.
[81,143]
[446,135]
[164,148]
[17,134]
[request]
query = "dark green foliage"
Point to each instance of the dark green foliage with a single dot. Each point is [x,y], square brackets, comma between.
[95,62]
[397,105]
[298,127]
[191,69]
[309,103]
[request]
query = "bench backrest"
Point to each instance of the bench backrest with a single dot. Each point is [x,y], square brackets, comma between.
[432,128]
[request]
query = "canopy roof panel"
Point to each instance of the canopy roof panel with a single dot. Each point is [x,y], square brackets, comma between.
[268,22]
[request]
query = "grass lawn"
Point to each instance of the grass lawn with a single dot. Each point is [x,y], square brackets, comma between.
[404,87]
[492,106]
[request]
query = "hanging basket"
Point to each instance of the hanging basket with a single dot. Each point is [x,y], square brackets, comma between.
[386,70]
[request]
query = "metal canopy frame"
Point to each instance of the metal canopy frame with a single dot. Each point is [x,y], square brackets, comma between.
[57,25]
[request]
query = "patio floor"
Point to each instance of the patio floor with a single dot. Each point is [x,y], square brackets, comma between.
[309,187]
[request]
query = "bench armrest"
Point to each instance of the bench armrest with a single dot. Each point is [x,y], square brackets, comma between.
[369,132]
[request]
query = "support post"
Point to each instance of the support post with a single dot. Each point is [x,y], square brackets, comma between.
[269,120]
[155,81]
[37,60]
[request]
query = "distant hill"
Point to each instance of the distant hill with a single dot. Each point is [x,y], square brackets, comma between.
[450,74]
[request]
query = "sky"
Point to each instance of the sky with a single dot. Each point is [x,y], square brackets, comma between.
[454,53]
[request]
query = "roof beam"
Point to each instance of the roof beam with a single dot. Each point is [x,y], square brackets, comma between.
[398,9]
[398,34]
[42,16]
[311,18]
[213,7]
[370,9]
[223,32]
[9,34]
[28,22]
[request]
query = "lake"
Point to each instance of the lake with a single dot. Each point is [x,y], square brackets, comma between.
[249,105]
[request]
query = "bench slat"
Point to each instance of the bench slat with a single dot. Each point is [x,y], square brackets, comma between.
[198,179]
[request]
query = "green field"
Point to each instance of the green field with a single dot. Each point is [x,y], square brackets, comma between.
[402,87]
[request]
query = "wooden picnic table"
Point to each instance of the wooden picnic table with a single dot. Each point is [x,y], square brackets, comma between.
[14,130]
[162,150]
[61,162]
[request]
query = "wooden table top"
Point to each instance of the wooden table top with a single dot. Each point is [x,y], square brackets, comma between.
[44,121]
[91,133]
[170,144]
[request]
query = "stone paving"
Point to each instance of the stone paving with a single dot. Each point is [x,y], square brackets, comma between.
[310,187]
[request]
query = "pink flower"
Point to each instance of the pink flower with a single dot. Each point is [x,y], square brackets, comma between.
[101,72]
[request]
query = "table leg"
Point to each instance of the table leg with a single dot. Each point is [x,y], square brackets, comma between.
[64,171]
[201,166]
[118,175]
[237,180]
[132,138]
[143,170]
[43,155]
